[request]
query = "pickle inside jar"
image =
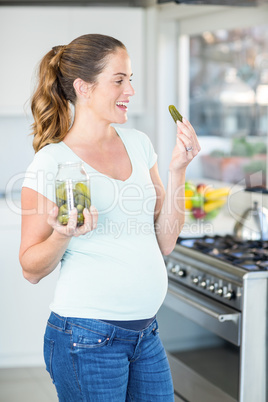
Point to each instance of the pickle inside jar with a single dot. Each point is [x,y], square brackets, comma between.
[69,195]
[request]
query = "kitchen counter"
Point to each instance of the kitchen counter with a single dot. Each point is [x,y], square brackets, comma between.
[222,225]
[238,202]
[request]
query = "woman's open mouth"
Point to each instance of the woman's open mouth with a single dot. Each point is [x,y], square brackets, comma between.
[122,106]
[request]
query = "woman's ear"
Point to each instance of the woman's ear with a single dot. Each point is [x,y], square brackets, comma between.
[81,87]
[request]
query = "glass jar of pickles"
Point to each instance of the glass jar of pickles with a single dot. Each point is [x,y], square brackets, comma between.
[72,191]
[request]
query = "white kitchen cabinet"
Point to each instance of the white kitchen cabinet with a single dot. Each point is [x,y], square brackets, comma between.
[24,307]
[27,33]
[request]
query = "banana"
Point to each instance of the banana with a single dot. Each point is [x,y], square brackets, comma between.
[213,195]
[211,205]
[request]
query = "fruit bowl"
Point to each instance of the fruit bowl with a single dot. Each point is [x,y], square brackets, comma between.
[203,201]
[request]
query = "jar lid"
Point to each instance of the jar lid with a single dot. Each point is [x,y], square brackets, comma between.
[70,164]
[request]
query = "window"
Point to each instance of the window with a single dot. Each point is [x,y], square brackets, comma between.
[229,102]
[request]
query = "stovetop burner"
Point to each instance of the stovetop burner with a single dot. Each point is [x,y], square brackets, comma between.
[248,254]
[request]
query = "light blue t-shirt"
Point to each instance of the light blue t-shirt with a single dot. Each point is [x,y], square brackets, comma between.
[117,271]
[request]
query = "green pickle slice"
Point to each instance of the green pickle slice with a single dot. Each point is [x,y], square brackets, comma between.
[81,188]
[174,113]
[61,194]
[80,208]
[80,219]
[81,200]
[63,219]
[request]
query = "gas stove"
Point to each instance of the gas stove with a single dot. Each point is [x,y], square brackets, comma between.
[221,284]
[217,266]
[248,254]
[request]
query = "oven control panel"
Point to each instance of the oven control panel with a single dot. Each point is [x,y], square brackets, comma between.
[218,288]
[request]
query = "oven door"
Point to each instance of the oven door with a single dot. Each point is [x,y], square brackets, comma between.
[202,340]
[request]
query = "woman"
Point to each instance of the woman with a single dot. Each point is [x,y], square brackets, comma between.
[101,341]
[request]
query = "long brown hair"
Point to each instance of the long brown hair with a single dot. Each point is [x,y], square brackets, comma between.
[85,58]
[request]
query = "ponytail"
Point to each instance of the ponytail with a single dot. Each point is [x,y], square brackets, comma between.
[85,57]
[50,108]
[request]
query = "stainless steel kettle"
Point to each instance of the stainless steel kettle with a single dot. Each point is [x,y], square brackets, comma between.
[253,224]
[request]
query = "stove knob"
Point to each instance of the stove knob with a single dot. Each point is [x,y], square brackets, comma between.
[175,269]
[212,287]
[219,291]
[182,273]
[203,284]
[195,280]
[229,295]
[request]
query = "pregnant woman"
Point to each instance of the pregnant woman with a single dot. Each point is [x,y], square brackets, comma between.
[101,341]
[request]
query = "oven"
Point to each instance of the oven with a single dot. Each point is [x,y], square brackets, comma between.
[213,322]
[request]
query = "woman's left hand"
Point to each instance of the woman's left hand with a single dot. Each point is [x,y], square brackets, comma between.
[187,145]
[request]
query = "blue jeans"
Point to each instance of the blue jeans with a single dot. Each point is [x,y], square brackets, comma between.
[89,360]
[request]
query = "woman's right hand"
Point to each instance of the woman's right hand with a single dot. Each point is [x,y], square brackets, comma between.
[43,239]
[71,229]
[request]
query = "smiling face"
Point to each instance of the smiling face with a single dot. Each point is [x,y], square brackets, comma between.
[110,95]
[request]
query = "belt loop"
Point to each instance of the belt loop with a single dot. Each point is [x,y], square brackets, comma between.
[111,338]
[155,328]
[64,323]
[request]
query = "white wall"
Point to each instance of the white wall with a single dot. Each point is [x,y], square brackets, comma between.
[29,32]
[16,150]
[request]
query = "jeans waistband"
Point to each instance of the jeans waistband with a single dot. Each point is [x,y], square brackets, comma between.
[66,324]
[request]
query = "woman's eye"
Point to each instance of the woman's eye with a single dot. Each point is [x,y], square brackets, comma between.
[120,81]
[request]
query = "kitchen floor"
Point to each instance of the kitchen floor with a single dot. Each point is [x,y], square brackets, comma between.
[29,384]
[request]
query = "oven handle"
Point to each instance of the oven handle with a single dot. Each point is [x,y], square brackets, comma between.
[220,317]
